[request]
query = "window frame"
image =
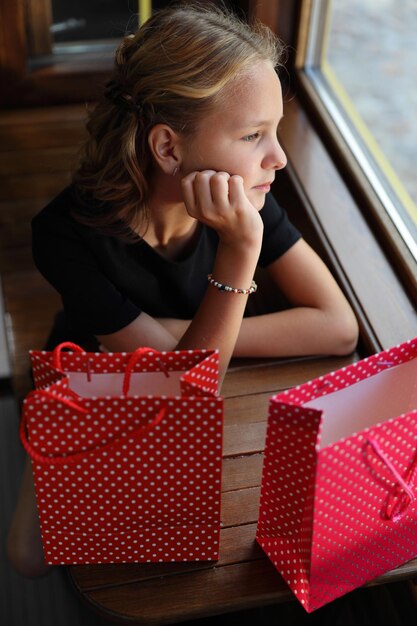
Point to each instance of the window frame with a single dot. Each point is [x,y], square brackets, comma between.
[348,218]
[27,81]
[358,175]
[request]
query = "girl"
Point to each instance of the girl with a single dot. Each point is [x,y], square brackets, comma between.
[157,240]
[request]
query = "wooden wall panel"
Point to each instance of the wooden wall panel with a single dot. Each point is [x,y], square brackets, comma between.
[38,150]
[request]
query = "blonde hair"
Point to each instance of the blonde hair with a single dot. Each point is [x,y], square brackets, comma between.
[173,70]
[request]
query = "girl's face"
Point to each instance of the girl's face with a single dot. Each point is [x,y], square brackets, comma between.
[240,136]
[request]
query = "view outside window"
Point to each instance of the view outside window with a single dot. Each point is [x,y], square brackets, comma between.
[370,62]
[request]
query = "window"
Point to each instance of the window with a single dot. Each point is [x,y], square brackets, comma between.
[359,65]
[62,51]
[60,28]
[96,20]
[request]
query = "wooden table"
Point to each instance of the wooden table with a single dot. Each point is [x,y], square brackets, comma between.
[166,593]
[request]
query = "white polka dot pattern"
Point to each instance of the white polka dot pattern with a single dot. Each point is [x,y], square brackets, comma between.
[108,490]
[334,517]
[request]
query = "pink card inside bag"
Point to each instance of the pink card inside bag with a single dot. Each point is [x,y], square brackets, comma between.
[368,402]
[141,384]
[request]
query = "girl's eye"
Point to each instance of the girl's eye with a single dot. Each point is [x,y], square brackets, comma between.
[252,137]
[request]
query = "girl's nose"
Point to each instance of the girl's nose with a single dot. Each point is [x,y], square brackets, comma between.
[282,160]
[280,156]
[277,158]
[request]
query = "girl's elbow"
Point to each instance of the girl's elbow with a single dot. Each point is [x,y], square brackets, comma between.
[345,335]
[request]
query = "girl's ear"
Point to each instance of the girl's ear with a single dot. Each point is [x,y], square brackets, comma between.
[164,146]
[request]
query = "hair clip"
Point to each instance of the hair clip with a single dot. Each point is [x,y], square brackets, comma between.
[116,94]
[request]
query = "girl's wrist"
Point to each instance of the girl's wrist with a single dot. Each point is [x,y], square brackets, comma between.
[235,265]
[240,249]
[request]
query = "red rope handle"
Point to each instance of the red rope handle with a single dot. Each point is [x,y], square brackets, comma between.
[50,396]
[136,355]
[395,504]
[56,355]
[79,456]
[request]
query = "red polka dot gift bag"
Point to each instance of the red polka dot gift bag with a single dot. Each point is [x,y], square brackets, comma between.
[126,454]
[338,505]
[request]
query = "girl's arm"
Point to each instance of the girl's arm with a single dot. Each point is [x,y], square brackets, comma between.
[320,322]
[219,201]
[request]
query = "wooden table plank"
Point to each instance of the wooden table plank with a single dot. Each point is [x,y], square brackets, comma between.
[194,595]
[255,583]
[244,440]
[246,409]
[276,375]
[242,472]
[240,507]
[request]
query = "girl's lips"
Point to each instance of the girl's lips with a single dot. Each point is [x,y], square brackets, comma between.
[264,188]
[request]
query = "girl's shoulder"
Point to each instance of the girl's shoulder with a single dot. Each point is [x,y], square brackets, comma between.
[59,210]
[64,215]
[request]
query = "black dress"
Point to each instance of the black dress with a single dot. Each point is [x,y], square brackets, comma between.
[105,282]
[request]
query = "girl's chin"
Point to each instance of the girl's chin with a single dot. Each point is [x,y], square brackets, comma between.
[257,199]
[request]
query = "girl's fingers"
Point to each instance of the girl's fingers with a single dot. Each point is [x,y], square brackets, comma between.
[237,196]
[202,191]
[187,186]
[219,200]
[219,185]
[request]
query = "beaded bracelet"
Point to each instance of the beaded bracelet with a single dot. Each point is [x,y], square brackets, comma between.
[253,287]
